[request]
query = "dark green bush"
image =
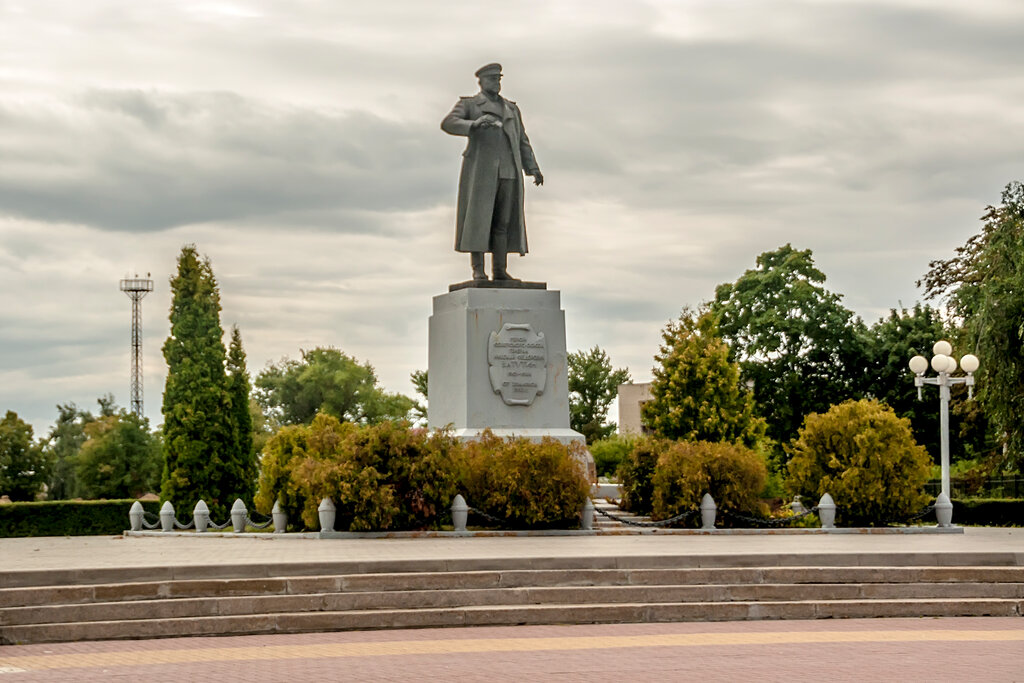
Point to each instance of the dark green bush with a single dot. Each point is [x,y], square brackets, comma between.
[68,517]
[611,452]
[734,476]
[529,485]
[865,456]
[988,512]
[382,476]
[636,471]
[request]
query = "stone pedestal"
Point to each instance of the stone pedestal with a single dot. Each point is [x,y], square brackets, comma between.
[498,362]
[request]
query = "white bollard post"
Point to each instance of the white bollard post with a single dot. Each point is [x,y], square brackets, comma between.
[460,512]
[280,517]
[797,506]
[327,512]
[827,512]
[944,510]
[708,510]
[201,515]
[135,515]
[587,515]
[167,516]
[238,514]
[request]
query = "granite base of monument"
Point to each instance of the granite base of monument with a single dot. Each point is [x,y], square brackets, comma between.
[498,361]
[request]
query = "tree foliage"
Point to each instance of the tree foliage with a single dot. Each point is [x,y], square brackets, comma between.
[23,465]
[380,476]
[62,447]
[200,433]
[243,459]
[64,443]
[120,458]
[734,476]
[329,381]
[983,286]
[865,457]
[593,385]
[420,382]
[697,395]
[891,343]
[794,339]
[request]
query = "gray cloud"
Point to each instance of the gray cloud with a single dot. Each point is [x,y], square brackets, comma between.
[299,147]
[144,160]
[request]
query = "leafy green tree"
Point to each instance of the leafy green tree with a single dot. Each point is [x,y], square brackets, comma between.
[891,343]
[62,447]
[329,381]
[697,395]
[243,460]
[199,432]
[23,465]
[983,286]
[593,385]
[420,383]
[120,458]
[801,348]
[64,442]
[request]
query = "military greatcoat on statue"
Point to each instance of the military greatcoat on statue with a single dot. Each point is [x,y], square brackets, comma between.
[478,181]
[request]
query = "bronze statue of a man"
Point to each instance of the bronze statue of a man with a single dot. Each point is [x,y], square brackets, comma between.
[490,210]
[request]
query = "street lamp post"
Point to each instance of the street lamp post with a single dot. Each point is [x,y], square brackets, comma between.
[945,364]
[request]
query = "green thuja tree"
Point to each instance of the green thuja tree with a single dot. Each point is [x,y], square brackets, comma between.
[200,430]
[239,388]
[697,395]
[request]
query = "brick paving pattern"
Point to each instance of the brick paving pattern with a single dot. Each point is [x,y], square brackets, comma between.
[979,649]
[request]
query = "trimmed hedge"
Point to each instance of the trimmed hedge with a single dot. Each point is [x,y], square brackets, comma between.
[865,456]
[733,474]
[69,517]
[988,511]
[390,476]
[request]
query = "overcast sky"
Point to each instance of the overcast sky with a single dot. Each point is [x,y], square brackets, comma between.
[298,146]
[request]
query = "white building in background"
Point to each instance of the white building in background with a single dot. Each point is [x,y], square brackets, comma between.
[631,398]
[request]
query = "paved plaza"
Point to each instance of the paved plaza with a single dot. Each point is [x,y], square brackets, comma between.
[932,649]
[148,551]
[906,650]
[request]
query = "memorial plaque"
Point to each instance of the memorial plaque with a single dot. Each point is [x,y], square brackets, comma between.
[518,359]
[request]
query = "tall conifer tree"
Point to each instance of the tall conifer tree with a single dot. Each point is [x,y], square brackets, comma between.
[199,430]
[239,388]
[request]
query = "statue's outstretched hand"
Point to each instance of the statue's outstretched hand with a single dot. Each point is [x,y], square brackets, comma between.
[538,177]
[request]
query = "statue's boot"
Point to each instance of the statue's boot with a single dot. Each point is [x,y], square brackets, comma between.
[476,259]
[499,260]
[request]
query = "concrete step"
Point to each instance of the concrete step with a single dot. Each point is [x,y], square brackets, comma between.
[437,581]
[503,597]
[295,622]
[110,575]
[222,600]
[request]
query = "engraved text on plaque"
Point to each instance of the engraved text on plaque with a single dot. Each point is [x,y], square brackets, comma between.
[518,359]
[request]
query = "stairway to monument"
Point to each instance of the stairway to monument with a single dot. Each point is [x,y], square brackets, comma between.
[611,507]
[140,602]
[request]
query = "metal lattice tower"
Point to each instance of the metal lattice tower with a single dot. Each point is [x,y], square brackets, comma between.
[136,288]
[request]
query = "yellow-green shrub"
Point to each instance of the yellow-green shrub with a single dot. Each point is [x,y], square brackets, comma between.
[734,476]
[528,484]
[865,456]
[382,476]
[609,453]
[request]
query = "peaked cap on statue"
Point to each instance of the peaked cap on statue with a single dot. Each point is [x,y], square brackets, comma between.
[493,68]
